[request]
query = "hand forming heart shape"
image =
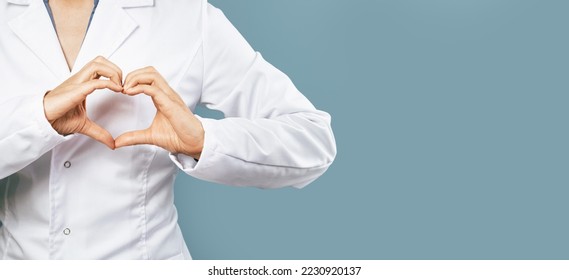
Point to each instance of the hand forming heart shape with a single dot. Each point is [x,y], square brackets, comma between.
[174,128]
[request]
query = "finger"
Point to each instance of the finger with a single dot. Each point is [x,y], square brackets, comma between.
[128,77]
[103,70]
[79,93]
[133,138]
[151,91]
[73,97]
[147,75]
[109,63]
[96,70]
[90,86]
[162,102]
[98,133]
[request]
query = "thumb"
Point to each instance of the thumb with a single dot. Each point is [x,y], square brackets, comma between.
[98,133]
[133,138]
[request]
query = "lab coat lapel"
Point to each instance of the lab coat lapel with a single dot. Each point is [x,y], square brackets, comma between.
[35,29]
[109,29]
[136,3]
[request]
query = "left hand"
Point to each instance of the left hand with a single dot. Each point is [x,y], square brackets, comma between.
[174,128]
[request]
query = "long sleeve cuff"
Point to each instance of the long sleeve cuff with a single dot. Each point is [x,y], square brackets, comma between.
[52,137]
[187,163]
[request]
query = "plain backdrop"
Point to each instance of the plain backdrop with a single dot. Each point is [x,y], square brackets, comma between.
[451,123]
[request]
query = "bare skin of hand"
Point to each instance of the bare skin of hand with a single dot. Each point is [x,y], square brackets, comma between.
[174,128]
[64,106]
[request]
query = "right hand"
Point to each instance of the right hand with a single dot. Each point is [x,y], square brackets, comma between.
[64,106]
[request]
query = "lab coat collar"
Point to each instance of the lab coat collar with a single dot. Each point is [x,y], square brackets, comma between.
[35,30]
[110,27]
[19,2]
[122,3]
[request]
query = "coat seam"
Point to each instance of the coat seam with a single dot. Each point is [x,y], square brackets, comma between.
[6,234]
[143,215]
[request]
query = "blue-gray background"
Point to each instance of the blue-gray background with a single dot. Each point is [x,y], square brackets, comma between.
[450,118]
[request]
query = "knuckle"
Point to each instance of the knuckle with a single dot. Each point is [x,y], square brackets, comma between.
[93,66]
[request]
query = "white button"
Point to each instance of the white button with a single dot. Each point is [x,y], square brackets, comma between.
[67,164]
[67,231]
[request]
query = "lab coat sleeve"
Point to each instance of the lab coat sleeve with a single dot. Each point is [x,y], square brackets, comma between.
[25,133]
[271,136]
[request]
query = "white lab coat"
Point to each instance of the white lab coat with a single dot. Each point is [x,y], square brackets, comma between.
[72,197]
